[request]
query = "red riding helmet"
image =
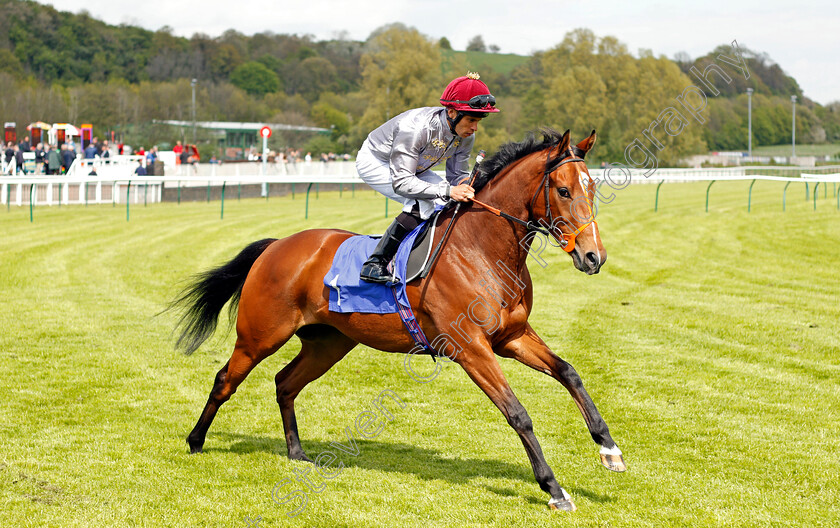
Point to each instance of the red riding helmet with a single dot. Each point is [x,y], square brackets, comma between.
[469,94]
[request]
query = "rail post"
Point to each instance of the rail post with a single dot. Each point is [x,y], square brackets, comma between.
[656,203]
[749,198]
[816,188]
[127,200]
[707,194]
[306,215]
[784,195]
[31,216]
[223,201]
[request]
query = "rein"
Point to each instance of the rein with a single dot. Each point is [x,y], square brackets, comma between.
[531,226]
[478,159]
[567,242]
[568,239]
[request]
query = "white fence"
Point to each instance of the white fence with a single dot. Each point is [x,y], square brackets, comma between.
[771,172]
[114,181]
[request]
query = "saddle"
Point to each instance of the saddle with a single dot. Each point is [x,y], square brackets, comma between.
[421,250]
[350,294]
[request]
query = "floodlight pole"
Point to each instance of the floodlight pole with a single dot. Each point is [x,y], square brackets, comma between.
[193,83]
[749,122]
[793,129]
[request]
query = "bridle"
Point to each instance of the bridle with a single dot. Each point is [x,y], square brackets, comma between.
[566,240]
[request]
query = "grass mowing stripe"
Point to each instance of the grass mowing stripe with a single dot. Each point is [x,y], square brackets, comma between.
[709,342]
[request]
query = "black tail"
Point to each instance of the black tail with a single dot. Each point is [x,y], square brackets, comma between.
[203,300]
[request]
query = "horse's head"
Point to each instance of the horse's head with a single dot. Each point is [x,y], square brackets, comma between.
[560,189]
[565,201]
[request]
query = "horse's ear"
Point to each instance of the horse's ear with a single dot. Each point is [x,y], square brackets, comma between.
[564,141]
[587,144]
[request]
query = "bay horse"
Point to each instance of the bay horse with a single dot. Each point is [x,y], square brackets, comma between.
[277,290]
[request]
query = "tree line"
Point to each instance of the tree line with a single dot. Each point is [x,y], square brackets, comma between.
[57,66]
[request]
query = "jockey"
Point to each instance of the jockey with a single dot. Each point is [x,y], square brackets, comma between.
[397,158]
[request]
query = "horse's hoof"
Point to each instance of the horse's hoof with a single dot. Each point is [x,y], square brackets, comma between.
[562,505]
[301,456]
[195,447]
[614,463]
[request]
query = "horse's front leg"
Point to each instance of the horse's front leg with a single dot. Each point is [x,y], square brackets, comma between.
[529,349]
[484,370]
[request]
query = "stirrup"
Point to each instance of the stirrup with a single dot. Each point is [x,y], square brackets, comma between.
[376,271]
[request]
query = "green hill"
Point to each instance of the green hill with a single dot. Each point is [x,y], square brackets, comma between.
[502,63]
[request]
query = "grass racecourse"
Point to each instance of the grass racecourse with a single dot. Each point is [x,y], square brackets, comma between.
[709,342]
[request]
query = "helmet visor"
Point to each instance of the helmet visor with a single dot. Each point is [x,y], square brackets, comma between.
[478,102]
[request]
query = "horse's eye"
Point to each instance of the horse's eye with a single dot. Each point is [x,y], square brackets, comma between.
[564,192]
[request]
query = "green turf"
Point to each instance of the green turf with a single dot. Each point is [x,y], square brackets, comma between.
[709,343]
[821,149]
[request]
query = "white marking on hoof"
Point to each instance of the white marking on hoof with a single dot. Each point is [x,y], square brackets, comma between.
[564,504]
[610,451]
[612,459]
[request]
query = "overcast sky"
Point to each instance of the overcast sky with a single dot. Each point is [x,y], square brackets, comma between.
[802,37]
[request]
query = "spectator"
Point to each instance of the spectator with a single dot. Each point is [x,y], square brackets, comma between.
[68,154]
[193,158]
[21,169]
[25,145]
[53,160]
[39,159]
[151,157]
[106,151]
[90,151]
[140,170]
[178,149]
[10,152]
[184,157]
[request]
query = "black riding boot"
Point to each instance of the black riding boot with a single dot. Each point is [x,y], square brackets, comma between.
[375,269]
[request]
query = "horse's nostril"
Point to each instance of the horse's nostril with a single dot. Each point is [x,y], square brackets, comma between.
[592,258]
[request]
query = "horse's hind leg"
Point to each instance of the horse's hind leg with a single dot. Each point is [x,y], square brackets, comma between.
[531,350]
[244,358]
[321,347]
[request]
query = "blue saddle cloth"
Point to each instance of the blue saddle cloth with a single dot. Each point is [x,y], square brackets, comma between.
[348,293]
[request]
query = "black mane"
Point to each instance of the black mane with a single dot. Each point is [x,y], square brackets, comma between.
[511,152]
